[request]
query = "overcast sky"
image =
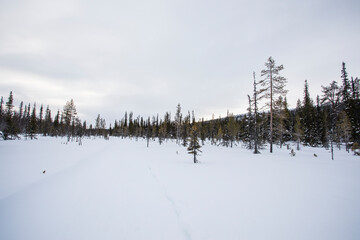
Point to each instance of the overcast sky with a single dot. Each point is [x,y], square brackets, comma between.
[147,56]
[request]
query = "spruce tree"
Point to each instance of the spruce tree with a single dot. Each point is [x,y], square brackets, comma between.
[47,122]
[178,123]
[2,125]
[194,146]
[41,115]
[308,118]
[10,130]
[33,123]
[232,129]
[345,91]
[68,116]
[249,134]
[272,86]
[343,128]
[298,130]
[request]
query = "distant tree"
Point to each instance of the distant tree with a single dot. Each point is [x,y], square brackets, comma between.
[344,129]
[355,88]
[162,132]
[298,130]
[345,90]
[47,122]
[186,129]
[232,129]
[248,134]
[41,116]
[332,96]
[307,118]
[194,146]
[281,120]
[32,127]
[219,135]
[2,124]
[320,123]
[56,124]
[148,131]
[68,117]
[10,130]
[178,123]
[256,118]
[272,86]
[21,110]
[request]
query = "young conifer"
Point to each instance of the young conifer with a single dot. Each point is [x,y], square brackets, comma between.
[194,146]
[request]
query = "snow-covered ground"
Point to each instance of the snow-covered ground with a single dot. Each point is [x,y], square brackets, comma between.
[119,189]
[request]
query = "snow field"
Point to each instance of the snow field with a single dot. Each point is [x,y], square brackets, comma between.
[119,189]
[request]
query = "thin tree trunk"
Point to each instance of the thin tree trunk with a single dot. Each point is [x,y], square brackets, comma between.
[271,113]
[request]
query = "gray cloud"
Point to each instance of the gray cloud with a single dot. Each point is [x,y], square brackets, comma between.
[146,56]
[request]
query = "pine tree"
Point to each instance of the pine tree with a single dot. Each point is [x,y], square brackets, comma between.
[2,124]
[355,88]
[272,85]
[345,91]
[219,135]
[332,96]
[186,129]
[232,129]
[256,119]
[308,118]
[33,123]
[344,129]
[249,134]
[68,116]
[56,124]
[10,130]
[298,130]
[47,122]
[194,146]
[41,113]
[178,123]
[281,119]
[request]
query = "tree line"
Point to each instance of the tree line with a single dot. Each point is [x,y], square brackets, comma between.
[331,120]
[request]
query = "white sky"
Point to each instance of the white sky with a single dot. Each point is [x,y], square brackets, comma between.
[148,56]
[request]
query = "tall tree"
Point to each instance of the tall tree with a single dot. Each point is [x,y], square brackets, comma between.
[355,87]
[272,85]
[232,129]
[41,116]
[47,122]
[178,123]
[308,118]
[256,119]
[332,96]
[345,91]
[10,128]
[68,116]
[343,128]
[1,114]
[298,130]
[32,128]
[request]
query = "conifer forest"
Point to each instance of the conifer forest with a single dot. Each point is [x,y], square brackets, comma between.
[330,119]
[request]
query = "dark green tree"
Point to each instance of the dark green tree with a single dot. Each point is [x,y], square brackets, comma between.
[194,146]
[32,127]
[10,130]
[308,118]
